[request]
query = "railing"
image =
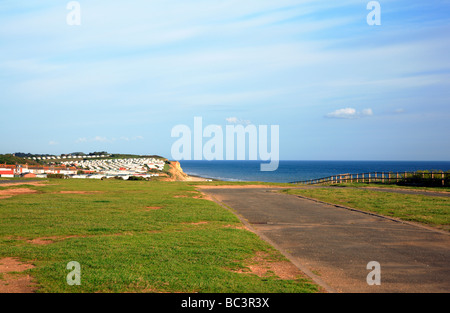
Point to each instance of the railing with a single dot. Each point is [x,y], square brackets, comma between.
[441,178]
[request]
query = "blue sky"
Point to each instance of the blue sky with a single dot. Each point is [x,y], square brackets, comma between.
[338,88]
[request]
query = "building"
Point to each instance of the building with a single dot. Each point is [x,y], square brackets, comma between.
[6,172]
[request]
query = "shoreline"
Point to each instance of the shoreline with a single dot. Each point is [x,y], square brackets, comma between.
[198,178]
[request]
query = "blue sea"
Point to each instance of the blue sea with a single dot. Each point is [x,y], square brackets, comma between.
[290,171]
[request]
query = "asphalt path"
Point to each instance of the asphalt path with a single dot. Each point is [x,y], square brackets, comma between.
[334,245]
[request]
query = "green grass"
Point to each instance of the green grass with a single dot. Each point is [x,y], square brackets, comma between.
[392,186]
[124,247]
[432,211]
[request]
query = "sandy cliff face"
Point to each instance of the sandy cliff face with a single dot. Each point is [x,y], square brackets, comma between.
[176,172]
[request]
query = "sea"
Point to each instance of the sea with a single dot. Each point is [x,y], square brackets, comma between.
[291,171]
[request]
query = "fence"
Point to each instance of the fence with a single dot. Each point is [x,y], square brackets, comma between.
[435,178]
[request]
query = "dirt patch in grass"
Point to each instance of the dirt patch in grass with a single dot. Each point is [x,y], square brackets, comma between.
[15,283]
[262,266]
[50,240]
[196,195]
[199,223]
[242,226]
[8,193]
[53,239]
[205,196]
[42,241]
[80,192]
[153,208]
[195,223]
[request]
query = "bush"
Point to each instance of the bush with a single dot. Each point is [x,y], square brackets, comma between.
[59,176]
[136,178]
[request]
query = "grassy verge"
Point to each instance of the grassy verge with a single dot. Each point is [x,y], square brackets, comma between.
[432,211]
[392,186]
[134,236]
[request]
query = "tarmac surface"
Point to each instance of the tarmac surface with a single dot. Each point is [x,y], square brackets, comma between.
[334,245]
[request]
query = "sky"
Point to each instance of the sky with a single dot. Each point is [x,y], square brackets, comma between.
[337,87]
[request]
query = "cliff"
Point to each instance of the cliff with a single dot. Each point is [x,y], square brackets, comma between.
[176,172]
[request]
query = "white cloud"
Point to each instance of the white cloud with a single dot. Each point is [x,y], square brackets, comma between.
[231,120]
[81,140]
[235,120]
[349,113]
[367,112]
[100,139]
[53,143]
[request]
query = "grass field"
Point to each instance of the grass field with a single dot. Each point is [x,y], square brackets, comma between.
[392,186]
[428,210]
[134,236]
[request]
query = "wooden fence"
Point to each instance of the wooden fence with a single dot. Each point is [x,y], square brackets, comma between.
[380,177]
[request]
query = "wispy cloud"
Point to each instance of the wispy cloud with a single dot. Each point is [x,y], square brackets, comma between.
[81,140]
[349,113]
[100,139]
[237,121]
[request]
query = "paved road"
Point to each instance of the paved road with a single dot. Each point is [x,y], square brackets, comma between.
[337,244]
